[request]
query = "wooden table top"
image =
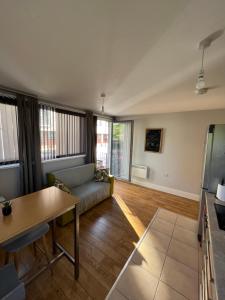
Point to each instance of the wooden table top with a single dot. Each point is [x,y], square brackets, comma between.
[34,209]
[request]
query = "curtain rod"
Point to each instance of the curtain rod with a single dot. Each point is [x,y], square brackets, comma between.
[62,106]
[40,100]
[14,91]
[44,101]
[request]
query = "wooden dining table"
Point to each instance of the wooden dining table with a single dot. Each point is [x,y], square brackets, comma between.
[41,207]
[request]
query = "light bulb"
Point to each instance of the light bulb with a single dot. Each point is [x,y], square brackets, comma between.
[200,84]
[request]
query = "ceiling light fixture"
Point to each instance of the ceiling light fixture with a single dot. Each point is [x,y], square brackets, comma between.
[103,103]
[200,84]
[200,87]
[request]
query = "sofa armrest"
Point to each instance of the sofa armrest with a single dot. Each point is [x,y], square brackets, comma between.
[50,179]
[111,181]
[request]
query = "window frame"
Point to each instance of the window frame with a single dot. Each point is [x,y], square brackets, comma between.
[11,100]
[66,112]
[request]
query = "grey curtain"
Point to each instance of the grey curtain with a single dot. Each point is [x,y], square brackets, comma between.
[91,128]
[29,144]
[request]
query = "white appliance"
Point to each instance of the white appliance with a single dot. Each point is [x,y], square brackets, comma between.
[220,194]
[139,171]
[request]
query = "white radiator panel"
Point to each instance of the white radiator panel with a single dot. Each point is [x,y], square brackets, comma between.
[139,171]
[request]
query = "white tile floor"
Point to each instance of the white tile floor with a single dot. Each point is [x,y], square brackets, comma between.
[150,259]
[164,292]
[163,226]
[137,283]
[165,264]
[157,240]
[184,254]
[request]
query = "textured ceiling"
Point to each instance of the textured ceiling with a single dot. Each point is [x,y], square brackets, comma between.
[143,54]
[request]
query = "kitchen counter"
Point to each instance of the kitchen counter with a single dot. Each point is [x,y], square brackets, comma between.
[217,242]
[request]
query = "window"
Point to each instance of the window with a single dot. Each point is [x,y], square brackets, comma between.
[62,133]
[8,131]
[103,150]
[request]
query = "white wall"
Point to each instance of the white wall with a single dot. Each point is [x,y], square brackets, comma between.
[10,179]
[178,169]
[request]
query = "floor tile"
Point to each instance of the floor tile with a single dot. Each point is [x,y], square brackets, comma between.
[162,226]
[150,259]
[115,295]
[136,283]
[167,215]
[187,223]
[186,236]
[157,240]
[164,292]
[184,254]
[181,278]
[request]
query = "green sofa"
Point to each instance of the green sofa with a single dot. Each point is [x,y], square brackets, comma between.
[80,180]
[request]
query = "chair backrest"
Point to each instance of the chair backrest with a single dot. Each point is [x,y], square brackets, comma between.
[75,176]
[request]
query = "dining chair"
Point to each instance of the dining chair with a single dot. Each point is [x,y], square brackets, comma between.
[10,286]
[15,245]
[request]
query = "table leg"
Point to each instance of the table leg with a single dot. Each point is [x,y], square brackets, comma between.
[54,236]
[76,242]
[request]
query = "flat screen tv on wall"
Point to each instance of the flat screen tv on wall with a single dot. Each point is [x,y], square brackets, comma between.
[153,139]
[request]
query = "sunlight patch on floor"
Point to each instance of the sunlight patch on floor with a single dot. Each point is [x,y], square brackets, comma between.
[134,221]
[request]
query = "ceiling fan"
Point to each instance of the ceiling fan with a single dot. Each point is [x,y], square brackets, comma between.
[200,87]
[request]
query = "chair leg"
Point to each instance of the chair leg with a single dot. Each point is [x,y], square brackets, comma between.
[47,255]
[34,249]
[16,261]
[7,258]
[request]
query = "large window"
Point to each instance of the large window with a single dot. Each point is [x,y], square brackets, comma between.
[62,133]
[8,131]
[103,151]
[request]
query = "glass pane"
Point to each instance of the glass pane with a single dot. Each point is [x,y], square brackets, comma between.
[103,148]
[121,150]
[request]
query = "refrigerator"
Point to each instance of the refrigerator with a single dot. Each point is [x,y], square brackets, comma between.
[214,168]
[214,164]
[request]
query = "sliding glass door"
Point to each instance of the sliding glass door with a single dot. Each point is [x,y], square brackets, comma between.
[121,149]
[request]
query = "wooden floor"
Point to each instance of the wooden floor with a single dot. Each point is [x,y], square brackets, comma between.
[108,234]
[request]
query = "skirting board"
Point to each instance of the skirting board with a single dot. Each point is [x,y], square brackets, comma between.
[165,189]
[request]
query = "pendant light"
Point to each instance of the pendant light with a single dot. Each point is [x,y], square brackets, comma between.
[102,103]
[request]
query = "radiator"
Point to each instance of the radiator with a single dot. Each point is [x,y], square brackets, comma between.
[139,171]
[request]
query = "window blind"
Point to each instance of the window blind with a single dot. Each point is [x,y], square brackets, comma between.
[62,133]
[8,131]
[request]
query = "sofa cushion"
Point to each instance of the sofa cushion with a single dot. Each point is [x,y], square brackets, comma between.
[75,176]
[102,175]
[91,193]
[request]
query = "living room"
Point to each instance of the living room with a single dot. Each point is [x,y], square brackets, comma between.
[112,136]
